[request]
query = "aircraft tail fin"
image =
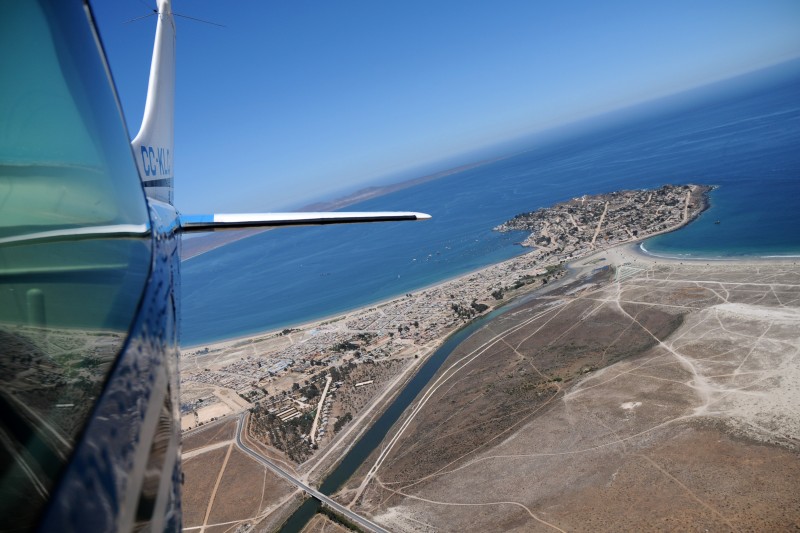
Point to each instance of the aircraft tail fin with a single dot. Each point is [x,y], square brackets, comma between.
[153,145]
[153,150]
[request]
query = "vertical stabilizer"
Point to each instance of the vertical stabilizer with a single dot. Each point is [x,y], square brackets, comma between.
[153,145]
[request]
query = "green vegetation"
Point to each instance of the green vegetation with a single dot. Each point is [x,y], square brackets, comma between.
[285,436]
[253,395]
[345,346]
[310,392]
[524,280]
[461,311]
[344,419]
[339,519]
[480,308]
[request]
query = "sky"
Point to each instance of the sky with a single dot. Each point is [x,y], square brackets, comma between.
[295,101]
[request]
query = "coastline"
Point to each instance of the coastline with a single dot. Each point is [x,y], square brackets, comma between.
[751,403]
[347,314]
[319,466]
[344,315]
[532,270]
[511,264]
[737,259]
[721,258]
[633,252]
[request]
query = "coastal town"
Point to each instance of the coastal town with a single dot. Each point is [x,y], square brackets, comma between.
[303,385]
[602,379]
[575,228]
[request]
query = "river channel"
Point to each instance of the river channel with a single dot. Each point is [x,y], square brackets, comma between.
[373,437]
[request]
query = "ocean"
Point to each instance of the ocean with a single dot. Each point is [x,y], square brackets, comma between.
[742,136]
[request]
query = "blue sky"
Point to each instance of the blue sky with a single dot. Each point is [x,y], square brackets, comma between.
[293,101]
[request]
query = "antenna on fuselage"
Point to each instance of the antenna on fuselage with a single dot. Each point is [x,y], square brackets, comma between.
[153,145]
[199,20]
[155,12]
[152,148]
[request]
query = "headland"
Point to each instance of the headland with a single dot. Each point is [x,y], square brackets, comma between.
[368,354]
[413,325]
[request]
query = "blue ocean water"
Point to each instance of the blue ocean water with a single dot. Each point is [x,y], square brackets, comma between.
[745,139]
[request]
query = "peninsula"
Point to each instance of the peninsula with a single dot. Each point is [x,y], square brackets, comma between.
[310,391]
[574,228]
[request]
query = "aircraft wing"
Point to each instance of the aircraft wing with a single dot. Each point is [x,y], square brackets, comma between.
[191,223]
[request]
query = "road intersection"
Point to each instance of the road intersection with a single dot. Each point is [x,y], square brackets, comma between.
[325,500]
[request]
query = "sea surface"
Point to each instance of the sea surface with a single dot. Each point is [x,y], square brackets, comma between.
[742,136]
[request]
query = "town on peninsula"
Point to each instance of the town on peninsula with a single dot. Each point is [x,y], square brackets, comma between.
[303,396]
[579,398]
[282,373]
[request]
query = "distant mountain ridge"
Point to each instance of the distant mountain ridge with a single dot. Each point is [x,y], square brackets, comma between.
[367,193]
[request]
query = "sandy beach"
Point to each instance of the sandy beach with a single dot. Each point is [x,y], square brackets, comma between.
[276,375]
[629,264]
[266,367]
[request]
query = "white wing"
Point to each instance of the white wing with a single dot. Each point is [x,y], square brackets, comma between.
[218,222]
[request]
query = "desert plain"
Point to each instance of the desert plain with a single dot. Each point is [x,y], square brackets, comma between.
[644,394]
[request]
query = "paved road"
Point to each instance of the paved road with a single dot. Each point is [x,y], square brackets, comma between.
[344,511]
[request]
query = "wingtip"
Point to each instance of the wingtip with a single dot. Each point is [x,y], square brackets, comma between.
[422,216]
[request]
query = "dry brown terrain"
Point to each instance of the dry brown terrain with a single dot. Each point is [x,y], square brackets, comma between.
[225,489]
[199,476]
[220,432]
[662,399]
[509,435]
[322,524]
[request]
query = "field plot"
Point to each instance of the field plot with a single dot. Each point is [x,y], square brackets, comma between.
[662,399]
[224,488]
[200,475]
[210,435]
